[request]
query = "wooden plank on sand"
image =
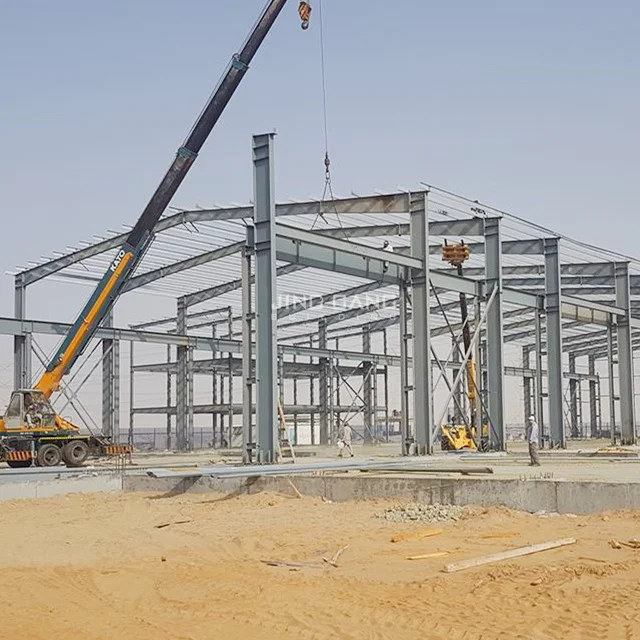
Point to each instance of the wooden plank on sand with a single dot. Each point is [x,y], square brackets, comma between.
[506,555]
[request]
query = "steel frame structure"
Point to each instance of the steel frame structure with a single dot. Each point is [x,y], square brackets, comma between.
[528,289]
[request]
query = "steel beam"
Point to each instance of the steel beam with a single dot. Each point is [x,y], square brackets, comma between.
[625,357]
[265,259]
[380,204]
[495,367]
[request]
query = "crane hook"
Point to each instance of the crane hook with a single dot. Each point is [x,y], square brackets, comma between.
[304,11]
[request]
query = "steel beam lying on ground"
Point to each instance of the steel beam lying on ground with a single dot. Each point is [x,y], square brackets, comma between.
[297,469]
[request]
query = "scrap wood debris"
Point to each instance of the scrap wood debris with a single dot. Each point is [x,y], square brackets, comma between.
[334,560]
[631,544]
[507,555]
[292,565]
[419,535]
[169,524]
[426,556]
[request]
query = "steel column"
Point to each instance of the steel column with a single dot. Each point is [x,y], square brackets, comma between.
[625,357]
[539,378]
[168,436]
[526,381]
[495,369]
[612,386]
[404,371]
[182,382]
[593,399]
[553,303]
[132,396]
[230,358]
[264,214]
[312,400]
[385,348]
[422,391]
[21,343]
[323,384]
[367,410]
[108,403]
[247,355]
[214,389]
[573,397]
[190,429]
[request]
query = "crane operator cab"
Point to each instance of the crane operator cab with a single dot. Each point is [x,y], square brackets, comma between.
[29,410]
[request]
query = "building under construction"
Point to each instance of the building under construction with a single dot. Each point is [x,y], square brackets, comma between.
[295,318]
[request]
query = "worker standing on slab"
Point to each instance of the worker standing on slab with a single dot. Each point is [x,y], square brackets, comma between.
[344,443]
[531,434]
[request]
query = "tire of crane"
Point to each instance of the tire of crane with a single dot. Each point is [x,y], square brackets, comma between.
[19,464]
[75,453]
[49,455]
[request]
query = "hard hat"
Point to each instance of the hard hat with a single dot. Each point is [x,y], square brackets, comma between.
[532,418]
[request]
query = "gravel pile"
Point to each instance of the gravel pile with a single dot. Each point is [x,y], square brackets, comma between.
[415,512]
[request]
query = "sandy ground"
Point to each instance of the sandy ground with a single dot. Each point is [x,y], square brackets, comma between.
[97,567]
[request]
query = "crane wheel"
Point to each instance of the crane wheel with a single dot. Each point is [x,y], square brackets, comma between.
[49,455]
[74,453]
[19,464]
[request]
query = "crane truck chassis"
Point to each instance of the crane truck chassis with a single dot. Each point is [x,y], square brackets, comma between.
[31,431]
[36,436]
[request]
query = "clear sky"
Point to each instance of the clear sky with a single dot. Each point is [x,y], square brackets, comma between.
[530,106]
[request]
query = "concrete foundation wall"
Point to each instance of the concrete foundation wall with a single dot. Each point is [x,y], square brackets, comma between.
[47,488]
[525,495]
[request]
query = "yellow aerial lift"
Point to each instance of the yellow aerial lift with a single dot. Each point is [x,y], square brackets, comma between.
[457,437]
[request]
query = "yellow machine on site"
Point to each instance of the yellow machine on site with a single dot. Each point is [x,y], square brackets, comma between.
[31,432]
[464,436]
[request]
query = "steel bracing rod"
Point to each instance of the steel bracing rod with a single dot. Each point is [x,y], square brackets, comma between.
[357,396]
[455,395]
[454,346]
[42,358]
[102,358]
[456,338]
[466,356]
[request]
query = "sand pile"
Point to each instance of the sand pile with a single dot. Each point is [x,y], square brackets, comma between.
[195,567]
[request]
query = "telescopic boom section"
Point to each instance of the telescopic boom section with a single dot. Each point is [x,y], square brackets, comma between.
[133,249]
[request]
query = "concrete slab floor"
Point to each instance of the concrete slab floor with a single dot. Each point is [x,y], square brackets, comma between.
[577,462]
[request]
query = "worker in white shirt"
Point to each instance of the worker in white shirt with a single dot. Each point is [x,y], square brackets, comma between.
[532,435]
[344,443]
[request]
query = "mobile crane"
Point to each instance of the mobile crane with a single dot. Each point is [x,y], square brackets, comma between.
[31,431]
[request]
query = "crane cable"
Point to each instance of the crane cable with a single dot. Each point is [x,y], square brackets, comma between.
[328,189]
